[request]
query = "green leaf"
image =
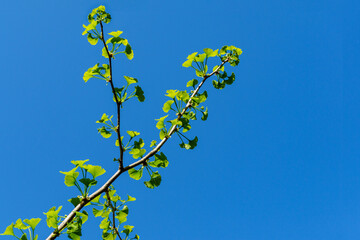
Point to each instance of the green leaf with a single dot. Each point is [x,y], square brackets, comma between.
[133,133]
[139,93]
[91,72]
[116,34]
[130,198]
[20,225]
[162,134]
[104,132]
[188,63]
[109,236]
[182,96]
[220,70]
[176,122]
[24,237]
[185,123]
[96,200]
[70,177]
[74,236]
[192,83]
[33,222]
[171,93]
[154,181]
[205,115]
[95,171]
[218,84]
[137,153]
[79,163]
[136,174]
[105,53]
[139,144]
[127,229]
[52,217]
[88,182]
[105,224]
[200,57]
[160,161]
[129,52]
[84,216]
[97,213]
[74,201]
[230,79]
[130,80]
[93,40]
[210,53]
[153,143]
[91,26]
[192,56]
[122,215]
[199,73]
[191,145]
[117,141]
[136,237]
[9,230]
[167,105]
[104,118]
[160,124]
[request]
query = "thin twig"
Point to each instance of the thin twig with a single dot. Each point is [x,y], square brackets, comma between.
[118,103]
[113,209]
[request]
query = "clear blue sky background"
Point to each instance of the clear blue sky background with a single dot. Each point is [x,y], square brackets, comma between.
[278,157]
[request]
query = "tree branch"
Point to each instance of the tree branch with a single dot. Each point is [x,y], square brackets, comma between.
[104,188]
[118,103]
[113,209]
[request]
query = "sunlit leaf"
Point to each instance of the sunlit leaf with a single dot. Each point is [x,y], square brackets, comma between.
[135,174]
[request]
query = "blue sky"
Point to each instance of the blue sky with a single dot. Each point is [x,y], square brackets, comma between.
[278,157]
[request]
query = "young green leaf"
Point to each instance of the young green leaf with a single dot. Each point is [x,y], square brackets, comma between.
[79,163]
[130,198]
[171,93]
[188,63]
[95,171]
[200,57]
[130,80]
[167,105]
[74,201]
[70,177]
[9,230]
[160,161]
[93,40]
[139,93]
[192,83]
[154,181]
[127,229]
[153,143]
[20,225]
[160,124]
[129,52]
[135,174]
[115,34]
[122,215]
[104,132]
[163,134]
[137,152]
[133,133]
[210,53]
[33,222]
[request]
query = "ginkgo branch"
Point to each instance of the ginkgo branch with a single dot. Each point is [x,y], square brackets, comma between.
[143,160]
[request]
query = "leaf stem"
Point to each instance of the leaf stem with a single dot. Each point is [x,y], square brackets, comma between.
[113,210]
